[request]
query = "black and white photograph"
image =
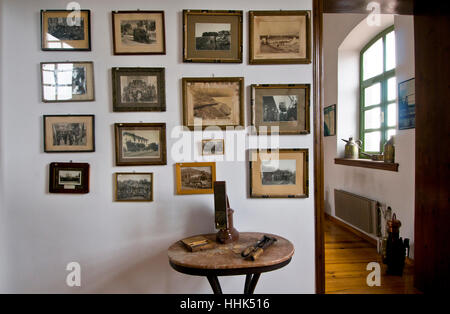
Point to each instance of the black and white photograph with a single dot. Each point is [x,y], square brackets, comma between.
[69,134]
[79,80]
[212,36]
[139,89]
[213,147]
[280,108]
[59,28]
[141,144]
[134,187]
[138,32]
[69,177]
[278,172]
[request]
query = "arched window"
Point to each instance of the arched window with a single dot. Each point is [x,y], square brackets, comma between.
[378,110]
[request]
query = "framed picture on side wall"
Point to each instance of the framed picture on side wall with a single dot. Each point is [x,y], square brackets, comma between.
[329,120]
[69,178]
[407,104]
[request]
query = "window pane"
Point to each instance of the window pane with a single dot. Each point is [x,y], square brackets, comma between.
[392,89]
[390,51]
[372,95]
[392,115]
[372,141]
[372,119]
[373,60]
[390,133]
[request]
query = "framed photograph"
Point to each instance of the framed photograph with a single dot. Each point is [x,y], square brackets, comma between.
[140,144]
[62,30]
[407,104]
[212,36]
[69,133]
[196,177]
[67,81]
[285,106]
[213,147]
[139,32]
[213,102]
[279,173]
[139,89]
[280,37]
[329,120]
[134,187]
[69,178]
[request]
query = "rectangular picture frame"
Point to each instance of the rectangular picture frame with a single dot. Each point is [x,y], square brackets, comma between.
[213,101]
[407,104]
[197,180]
[133,187]
[69,133]
[81,83]
[329,121]
[68,178]
[138,33]
[140,144]
[61,31]
[221,36]
[288,179]
[280,37]
[209,147]
[286,106]
[139,89]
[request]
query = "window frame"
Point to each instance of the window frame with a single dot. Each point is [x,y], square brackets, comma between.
[383,79]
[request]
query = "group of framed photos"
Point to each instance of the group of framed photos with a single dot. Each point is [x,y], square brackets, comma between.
[275,37]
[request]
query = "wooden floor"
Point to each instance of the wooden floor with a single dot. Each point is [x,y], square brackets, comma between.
[346,259]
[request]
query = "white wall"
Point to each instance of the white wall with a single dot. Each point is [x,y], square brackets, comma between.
[122,246]
[391,188]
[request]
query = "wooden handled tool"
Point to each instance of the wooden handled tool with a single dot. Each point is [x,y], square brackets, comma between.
[254,252]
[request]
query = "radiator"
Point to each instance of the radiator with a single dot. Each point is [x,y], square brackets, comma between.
[358,211]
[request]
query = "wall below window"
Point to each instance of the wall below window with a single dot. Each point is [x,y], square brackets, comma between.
[391,188]
[122,247]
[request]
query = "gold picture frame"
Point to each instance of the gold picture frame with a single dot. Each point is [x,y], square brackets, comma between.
[213,147]
[195,177]
[280,37]
[132,187]
[279,173]
[212,36]
[215,101]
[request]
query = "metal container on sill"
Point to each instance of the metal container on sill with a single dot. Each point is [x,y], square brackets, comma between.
[389,151]
[352,148]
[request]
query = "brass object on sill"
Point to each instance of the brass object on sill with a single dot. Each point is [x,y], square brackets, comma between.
[374,157]
[352,148]
[389,151]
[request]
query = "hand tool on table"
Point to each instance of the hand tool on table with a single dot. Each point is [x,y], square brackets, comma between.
[254,251]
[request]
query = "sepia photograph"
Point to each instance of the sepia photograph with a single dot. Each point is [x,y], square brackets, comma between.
[134,187]
[212,36]
[140,144]
[280,108]
[213,102]
[67,81]
[195,178]
[69,178]
[69,133]
[213,147]
[61,30]
[278,37]
[138,32]
[139,89]
[278,172]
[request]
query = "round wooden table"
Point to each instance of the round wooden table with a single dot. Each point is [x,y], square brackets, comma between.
[226,260]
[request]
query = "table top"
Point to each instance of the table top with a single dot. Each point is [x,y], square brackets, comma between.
[228,256]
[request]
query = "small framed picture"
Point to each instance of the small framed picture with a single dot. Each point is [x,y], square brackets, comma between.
[280,37]
[67,81]
[407,104]
[213,102]
[69,178]
[139,89]
[140,144]
[279,173]
[213,147]
[329,120]
[69,133]
[284,107]
[139,32]
[134,187]
[196,177]
[212,36]
[63,30]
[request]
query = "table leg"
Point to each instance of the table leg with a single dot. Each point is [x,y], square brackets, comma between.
[215,284]
[250,283]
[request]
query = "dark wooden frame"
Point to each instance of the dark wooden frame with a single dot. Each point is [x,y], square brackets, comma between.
[61,101]
[162,144]
[239,80]
[178,167]
[218,13]
[55,167]
[305,172]
[70,151]
[62,49]
[163,52]
[161,81]
[116,175]
[306,60]
[307,88]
